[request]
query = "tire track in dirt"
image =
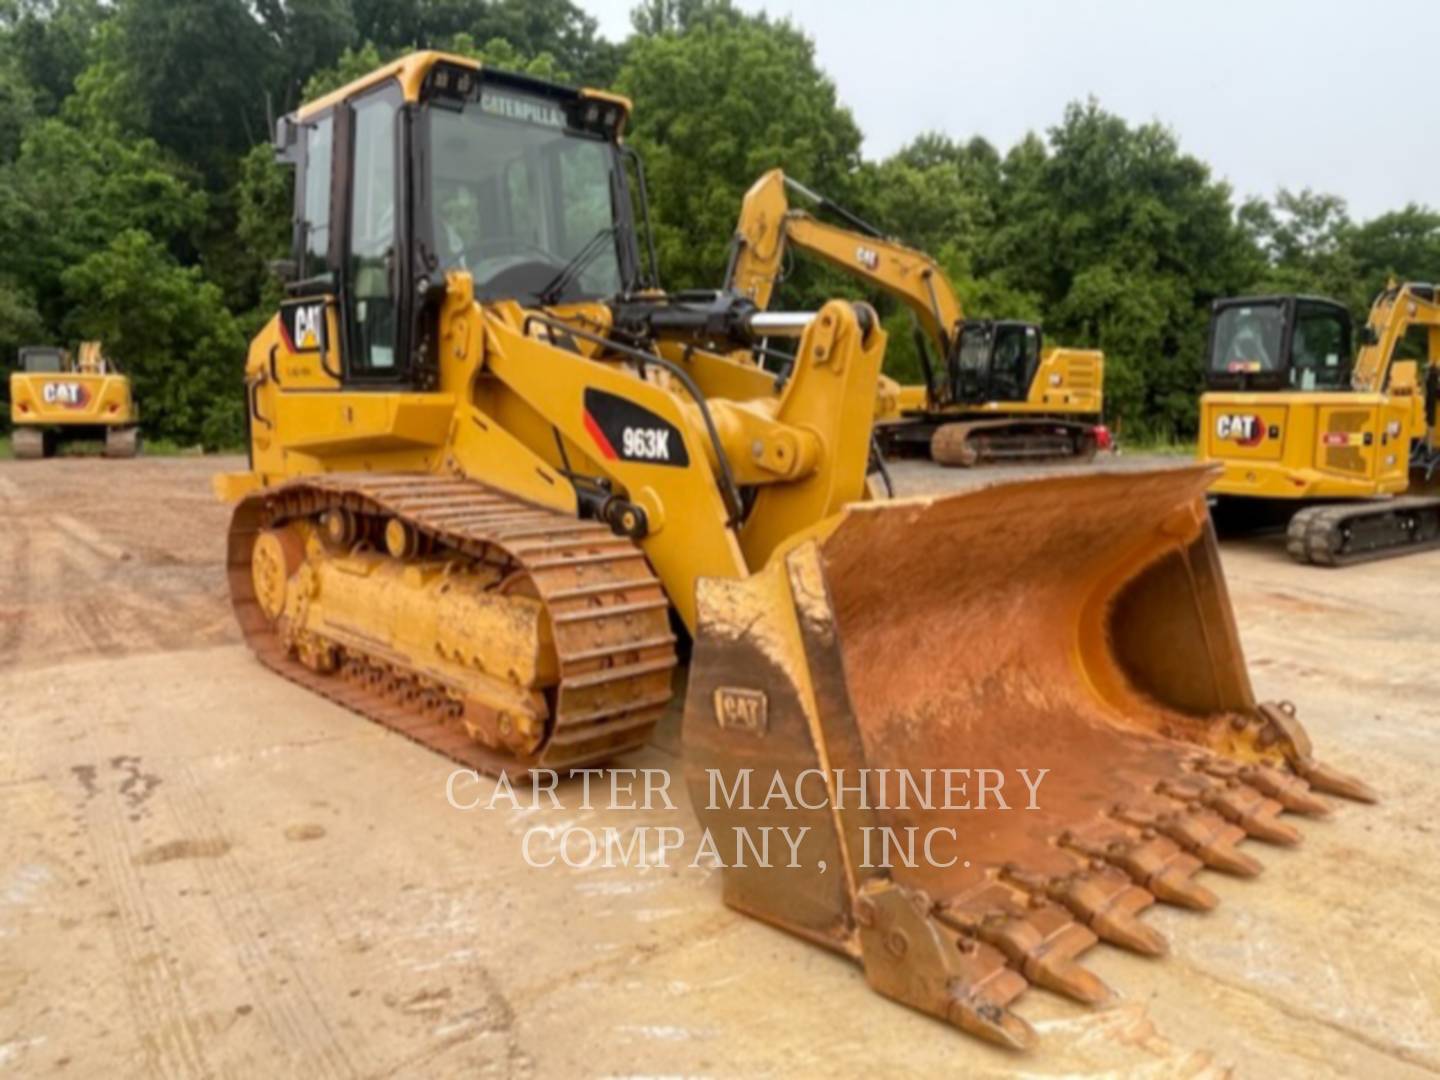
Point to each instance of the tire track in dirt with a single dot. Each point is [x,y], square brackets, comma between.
[92,576]
[161,1006]
[287,1006]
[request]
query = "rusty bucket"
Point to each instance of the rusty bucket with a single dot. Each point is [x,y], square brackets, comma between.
[1007,721]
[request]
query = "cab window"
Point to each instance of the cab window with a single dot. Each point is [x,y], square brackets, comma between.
[1319,350]
[315,210]
[372,235]
[1248,339]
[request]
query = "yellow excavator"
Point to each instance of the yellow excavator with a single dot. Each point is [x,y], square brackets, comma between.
[1327,438]
[998,395]
[500,484]
[55,395]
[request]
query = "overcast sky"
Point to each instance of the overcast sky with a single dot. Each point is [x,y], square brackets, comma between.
[1271,93]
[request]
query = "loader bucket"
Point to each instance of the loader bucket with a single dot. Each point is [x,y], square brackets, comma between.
[1077,625]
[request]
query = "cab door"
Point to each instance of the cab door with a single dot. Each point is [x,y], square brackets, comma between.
[1013,359]
[306,352]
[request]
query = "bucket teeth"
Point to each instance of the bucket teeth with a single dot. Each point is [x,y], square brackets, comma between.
[1154,862]
[1039,938]
[917,957]
[1058,973]
[1252,811]
[1289,791]
[1108,903]
[1261,823]
[1178,886]
[993,1023]
[1333,781]
[1212,839]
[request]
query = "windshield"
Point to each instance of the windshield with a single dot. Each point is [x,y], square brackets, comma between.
[522,202]
[1248,340]
[1320,350]
[974,348]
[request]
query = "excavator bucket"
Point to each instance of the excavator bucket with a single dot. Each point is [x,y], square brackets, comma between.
[997,726]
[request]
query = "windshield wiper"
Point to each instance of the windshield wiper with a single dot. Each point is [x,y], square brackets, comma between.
[552,290]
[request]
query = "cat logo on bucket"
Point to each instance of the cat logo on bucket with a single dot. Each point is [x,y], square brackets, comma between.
[1241,429]
[741,710]
[70,395]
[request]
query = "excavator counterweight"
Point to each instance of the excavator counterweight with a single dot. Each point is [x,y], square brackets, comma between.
[56,396]
[1331,435]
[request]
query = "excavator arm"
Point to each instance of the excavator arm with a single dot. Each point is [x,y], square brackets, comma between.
[768,223]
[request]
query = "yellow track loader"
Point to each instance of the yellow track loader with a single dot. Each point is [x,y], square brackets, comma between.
[56,396]
[999,394]
[499,479]
[1329,438]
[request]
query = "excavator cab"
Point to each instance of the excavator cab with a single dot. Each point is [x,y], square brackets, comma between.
[1311,420]
[42,360]
[994,360]
[1270,343]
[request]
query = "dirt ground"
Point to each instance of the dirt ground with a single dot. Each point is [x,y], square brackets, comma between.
[206,871]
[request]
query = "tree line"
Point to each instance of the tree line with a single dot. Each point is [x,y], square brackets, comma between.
[140,204]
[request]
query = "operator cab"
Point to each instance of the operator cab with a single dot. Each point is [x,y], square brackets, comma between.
[42,360]
[995,360]
[435,164]
[1280,343]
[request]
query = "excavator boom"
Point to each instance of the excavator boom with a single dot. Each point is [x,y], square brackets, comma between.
[991,392]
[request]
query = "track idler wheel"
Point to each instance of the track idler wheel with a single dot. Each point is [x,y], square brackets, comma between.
[278,553]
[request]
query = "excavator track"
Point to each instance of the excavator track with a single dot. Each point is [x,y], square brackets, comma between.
[28,443]
[964,444]
[607,613]
[122,442]
[1346,533]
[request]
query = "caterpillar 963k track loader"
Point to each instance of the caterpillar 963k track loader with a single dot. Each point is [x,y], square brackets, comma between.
[56,396]
[1330,437]
[998,393]
[496,473]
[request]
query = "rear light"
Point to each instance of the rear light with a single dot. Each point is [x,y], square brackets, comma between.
[1336,438]
[24,406]
[1103,439]
[114,408]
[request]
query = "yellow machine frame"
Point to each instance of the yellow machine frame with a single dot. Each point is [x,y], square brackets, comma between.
[86,393]
[1067,382]
[484,548]
[1346,444]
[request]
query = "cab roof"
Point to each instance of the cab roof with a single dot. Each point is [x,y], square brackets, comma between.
[410,71]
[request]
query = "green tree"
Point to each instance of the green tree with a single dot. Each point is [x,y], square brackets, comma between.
[1403,244]
[716,105]
[170,331]
[70,191]
[1125,240]
[48,43]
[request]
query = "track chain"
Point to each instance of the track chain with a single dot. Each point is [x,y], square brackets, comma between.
[1341,534]
[608,611]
